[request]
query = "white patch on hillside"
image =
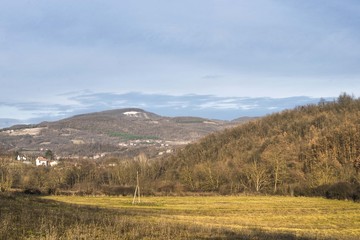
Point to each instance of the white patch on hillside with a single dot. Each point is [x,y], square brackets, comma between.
[209,122]
[136,114]
[25,131]
[131,113]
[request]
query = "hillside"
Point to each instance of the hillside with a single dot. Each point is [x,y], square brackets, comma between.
[124,132]
[310,150]
[294,151]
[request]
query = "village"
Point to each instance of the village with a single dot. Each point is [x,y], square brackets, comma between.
[46,158]
[39,161]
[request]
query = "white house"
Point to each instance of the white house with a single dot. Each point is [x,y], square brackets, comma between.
[41,161]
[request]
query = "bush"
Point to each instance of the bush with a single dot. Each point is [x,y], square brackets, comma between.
[356,194]
[306,191]
[53,191]
[340,191]
[118,190]
[32,191]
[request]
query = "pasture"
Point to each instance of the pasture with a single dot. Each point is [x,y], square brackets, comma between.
[273,215]
[197,217]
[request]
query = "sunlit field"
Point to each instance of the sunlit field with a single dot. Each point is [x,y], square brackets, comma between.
[291,218]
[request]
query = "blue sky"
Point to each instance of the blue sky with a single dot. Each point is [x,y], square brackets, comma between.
[240,57]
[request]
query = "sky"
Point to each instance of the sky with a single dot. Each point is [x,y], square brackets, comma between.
[213,58]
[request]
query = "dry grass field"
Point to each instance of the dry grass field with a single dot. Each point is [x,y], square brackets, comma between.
[235,217]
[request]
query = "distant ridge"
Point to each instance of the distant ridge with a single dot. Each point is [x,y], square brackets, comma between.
[244,119]
[121,131]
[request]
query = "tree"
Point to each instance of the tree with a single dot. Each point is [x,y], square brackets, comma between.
[49,154]
[357,165]
[278,154]
[257,176]
[5,175]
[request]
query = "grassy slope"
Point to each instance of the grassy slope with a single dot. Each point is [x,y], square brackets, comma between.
[274,216]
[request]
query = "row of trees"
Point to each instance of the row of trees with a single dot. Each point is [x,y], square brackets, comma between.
[114,176]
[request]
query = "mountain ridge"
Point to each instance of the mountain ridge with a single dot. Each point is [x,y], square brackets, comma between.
[110,131]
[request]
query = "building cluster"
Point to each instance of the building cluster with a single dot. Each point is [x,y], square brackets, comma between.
[40,161]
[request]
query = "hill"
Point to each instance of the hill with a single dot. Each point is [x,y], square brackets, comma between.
[302,151]
[310,150]
[124,132]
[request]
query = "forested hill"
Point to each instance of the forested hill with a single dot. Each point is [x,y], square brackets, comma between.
[309,148]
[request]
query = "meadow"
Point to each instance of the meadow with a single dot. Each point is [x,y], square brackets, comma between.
[196,217]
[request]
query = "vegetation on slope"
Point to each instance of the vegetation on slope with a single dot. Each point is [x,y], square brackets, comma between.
[312,150]
[128,136]
[303,151]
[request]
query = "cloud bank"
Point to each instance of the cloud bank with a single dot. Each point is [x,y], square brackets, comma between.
[208,106]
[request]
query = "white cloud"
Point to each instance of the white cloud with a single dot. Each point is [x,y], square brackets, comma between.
[225,103]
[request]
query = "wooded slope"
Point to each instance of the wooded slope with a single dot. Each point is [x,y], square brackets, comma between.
[294,150]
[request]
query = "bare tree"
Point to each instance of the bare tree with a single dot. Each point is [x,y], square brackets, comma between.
[6,178]
[257,176]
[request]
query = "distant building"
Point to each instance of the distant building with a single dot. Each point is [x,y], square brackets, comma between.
[21,158]
[41,161]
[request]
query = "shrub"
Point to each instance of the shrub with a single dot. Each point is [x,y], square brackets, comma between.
[340,191]
[118,190]
[32,191]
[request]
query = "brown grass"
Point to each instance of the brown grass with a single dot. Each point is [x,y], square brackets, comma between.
[61,217]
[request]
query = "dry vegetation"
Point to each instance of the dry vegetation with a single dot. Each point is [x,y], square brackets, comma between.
[301,217]
[310,150]
[211,217]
